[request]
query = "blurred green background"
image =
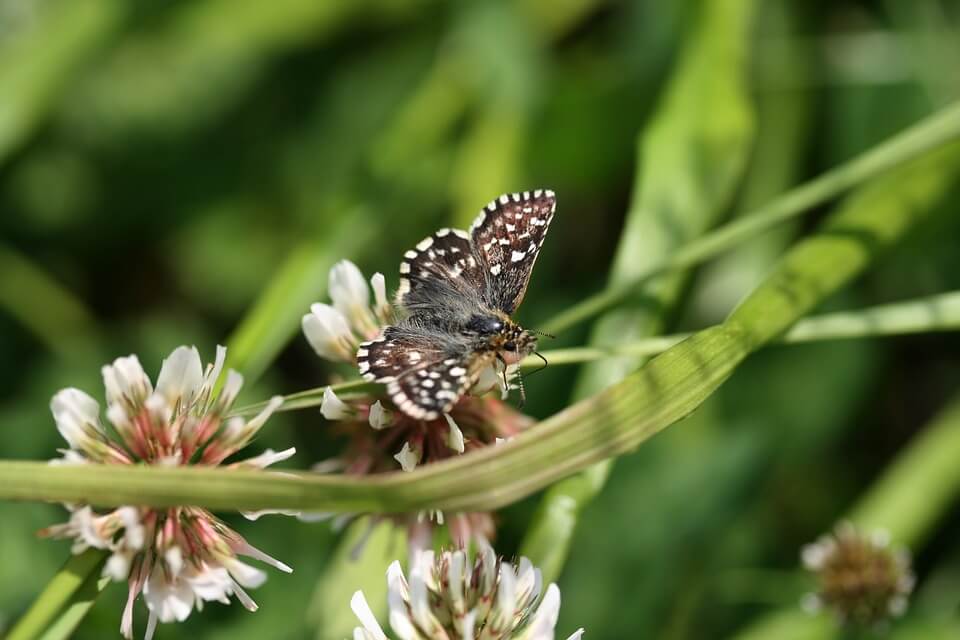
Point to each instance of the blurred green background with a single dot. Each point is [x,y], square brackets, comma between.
[163,164]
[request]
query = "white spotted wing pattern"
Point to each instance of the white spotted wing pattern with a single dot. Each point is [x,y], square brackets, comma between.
[457,290]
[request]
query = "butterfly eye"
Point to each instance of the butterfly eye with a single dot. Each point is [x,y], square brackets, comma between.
[510,346]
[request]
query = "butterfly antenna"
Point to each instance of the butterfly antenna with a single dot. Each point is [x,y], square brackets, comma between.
[523,392]
[544,334]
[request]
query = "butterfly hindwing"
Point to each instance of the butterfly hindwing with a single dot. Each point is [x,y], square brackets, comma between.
[394,353]
[429,391]
[507,236]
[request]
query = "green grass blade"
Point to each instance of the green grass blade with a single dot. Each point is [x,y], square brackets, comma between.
[613,422]
[34,70]
[931,133]
[64,601]
[676,199]
[300,281]
[47,309]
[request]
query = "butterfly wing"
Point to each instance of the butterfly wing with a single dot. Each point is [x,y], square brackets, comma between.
[507,236]
[442,271]
[426,373]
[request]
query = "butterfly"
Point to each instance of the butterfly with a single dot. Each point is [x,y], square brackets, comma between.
[457,293]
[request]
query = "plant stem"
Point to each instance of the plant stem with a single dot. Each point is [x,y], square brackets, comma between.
[610,423]
[65,598]
[933,132]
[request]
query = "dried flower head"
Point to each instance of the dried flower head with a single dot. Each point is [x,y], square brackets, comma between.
[861,578]
[449,598]
[177,557]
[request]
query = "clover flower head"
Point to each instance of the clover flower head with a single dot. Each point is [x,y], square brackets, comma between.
[448,597]
[861,578]
[179,557]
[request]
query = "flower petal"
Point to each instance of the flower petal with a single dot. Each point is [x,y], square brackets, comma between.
[126,381]
[350,293]
[77,416]
[181,379]
[328,331]
[545,620]
[333,408]
[455,437]
[168,600]
[379,417]
[407,457]
[362,610]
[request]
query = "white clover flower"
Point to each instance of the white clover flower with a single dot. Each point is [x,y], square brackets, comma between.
[178,557]
[448,598]
[335,331]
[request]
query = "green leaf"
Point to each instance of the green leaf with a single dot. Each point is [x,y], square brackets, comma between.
[300,281]
[690,163]
[610,423]
[65,600]
[36,69]
[360,560]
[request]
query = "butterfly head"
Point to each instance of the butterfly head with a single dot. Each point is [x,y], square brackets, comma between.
[498,333]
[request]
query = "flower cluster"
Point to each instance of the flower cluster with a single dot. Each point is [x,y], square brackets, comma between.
[861,578]
[448,598]
[177,557]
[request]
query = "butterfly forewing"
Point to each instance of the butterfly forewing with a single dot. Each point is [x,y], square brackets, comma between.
[507,236]
[441,269]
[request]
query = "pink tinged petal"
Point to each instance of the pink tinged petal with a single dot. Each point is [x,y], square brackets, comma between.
[77,416]
[230,391]
[362,610]
[213,370]
[253,516]
[244,574]
[506,597]
[328,332]
[132,529]
[268,458]
[455,436]
[212,584]
[455,573]
[333,408]
[469,621]
[258,421]
[420,602]
[407,457]
[545,619]
[168,600]
[151,626]
[350,293]
[247,549]
[379,417]
[126,381]
[117,567]
[181,378]
[379,284]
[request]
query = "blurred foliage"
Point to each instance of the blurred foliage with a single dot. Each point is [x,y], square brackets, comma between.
[166,165]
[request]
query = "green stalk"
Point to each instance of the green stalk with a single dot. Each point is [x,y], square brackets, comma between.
[44,306]
[676,200]
[610,423]
[924,315]
[931,133]
[63,602]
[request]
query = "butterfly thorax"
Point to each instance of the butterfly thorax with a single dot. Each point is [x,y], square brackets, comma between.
[495,332]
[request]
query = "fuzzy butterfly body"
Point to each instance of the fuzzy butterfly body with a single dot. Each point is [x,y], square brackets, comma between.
[457,292]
